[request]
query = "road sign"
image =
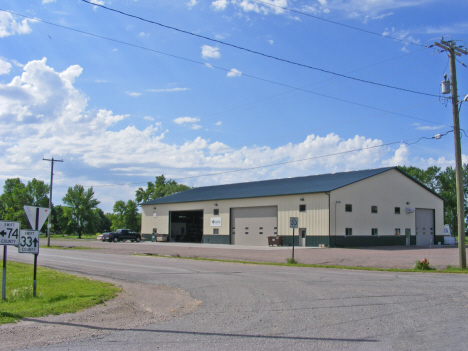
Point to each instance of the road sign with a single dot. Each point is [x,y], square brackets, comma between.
[293,222]
[36,215]
[29,241]
[9,233]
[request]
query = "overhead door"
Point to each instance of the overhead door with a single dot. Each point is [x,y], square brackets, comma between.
[253,225]
[424,227]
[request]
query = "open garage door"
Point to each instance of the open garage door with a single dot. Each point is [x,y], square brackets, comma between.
[253,225]
[186,226]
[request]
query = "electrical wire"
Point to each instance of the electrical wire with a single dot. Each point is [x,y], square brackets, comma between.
[259,53]
[280,163]
[340,24]
[211,66]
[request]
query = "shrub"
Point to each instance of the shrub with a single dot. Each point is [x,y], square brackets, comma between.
[291,260]
[422,265]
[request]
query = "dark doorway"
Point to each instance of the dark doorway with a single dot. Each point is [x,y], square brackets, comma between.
[186,226]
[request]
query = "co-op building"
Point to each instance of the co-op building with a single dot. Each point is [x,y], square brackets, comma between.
[375,207]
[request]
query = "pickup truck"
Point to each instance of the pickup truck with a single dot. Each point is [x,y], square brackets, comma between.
[121,235]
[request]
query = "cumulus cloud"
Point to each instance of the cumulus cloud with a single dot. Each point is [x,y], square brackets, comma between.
[143,35]
[47,1]
[210,52]
[5,67]
[9,26]
[219,5]
[183,120]
[148,118]
[262,8]
[234,73]
[218,123]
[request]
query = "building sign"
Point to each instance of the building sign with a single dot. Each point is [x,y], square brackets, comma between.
[216,221]
[154,214]
[29,241]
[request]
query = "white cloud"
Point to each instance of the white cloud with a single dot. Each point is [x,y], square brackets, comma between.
[183,120]
[208,65]
[219,5]
[47,1]
[195,126]
[191,3]
[210,52]
[169,90]
[218,123]
[263,8]
[400,157]
[143,35]
[97,2]
[131,93]
[148,118]
[5,67]
[234,73]
[9,26]
[270,41]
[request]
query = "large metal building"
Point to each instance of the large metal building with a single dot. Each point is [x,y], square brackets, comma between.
[375,207]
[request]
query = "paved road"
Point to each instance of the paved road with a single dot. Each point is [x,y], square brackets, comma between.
[279,308]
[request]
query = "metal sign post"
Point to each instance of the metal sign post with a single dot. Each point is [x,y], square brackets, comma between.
[30,238]
[293,223]
[9,235]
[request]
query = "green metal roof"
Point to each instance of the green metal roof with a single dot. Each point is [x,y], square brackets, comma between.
[275,187]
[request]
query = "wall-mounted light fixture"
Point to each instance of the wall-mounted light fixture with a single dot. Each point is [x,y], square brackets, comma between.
[408,203]
[338,202]
[302,199]
[154,208]
[216,204]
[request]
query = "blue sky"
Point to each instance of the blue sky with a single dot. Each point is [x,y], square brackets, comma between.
[154,100]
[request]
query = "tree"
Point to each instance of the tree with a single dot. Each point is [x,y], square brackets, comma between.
[79,211]
[16,195]
[126,216]
[104,224]
[160,188]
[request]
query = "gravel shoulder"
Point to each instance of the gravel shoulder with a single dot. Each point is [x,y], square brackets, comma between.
[137,305]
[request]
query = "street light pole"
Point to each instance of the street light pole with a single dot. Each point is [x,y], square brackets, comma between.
[49,224]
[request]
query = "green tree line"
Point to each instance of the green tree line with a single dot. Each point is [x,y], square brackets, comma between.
[80,213]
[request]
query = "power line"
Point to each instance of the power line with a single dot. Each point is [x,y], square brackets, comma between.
[211,66]
[438,136]
[340,24]
[260,53]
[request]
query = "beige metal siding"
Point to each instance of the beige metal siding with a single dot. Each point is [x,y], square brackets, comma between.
[386,191]
[315,219]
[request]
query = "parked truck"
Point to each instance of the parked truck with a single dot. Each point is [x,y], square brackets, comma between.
[121,235]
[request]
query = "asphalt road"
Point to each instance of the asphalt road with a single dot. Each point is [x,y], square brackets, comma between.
[247,307]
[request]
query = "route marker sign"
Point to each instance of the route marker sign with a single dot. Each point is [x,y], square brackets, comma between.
[29,241]
[293,222]
[36,215]
[9,233]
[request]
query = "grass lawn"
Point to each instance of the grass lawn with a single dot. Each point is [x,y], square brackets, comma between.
[57,293]
[69,247]
[69,237]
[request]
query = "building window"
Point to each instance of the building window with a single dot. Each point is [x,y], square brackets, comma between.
[375,231]
[216,211]
[374,209]
[349,208]
[260,233]
[397,231]
[302,208]
[215,231]
[260,228]
[397,210]
[349,231]
[246,232]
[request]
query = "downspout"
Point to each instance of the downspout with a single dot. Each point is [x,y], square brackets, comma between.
[329,223]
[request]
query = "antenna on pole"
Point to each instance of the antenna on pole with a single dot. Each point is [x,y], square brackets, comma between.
[50,196]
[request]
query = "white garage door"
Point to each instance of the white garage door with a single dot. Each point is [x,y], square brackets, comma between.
[253,225]
[424,227]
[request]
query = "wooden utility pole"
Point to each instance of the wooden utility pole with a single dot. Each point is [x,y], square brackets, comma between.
[453,51]
[50,196]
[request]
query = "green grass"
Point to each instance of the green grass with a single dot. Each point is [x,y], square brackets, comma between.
[69,247]
[70,237]
[448,269]
[57,293]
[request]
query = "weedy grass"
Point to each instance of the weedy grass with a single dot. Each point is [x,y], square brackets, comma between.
[56,292]
[448,269]
[69,247]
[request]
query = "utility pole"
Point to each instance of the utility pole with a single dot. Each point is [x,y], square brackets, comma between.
[49,224]
[453,51]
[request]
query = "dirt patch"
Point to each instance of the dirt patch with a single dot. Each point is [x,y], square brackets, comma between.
[138,305]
